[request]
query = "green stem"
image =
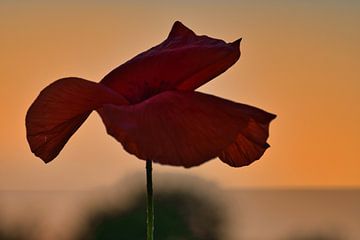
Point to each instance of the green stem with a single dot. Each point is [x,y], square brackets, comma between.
[150,202]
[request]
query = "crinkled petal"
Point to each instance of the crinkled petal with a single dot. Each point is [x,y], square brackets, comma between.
[184,128]
[250,143]
[184,61]
[59,111]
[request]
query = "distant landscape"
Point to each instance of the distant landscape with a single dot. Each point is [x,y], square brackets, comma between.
[317,214]
[292,214]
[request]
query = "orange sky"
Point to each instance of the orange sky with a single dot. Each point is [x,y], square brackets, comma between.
[299,60]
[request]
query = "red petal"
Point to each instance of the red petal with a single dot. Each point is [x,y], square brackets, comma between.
[250,143]
[186,128]
[183,61]
[59,111]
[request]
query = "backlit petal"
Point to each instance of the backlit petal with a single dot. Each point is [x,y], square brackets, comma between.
[59,111]
[184,128]
[250,143]
[184,61]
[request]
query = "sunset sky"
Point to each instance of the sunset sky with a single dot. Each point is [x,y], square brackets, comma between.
[300,60]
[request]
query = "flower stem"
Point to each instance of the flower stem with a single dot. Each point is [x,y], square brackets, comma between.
[150,202]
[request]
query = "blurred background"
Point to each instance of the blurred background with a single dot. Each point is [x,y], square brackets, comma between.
[299,60]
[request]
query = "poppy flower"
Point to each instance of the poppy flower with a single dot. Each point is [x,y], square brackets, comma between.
[149,104]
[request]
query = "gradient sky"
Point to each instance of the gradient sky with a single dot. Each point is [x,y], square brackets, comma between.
[299,60]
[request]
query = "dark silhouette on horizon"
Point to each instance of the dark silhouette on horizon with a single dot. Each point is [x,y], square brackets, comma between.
[178,215]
